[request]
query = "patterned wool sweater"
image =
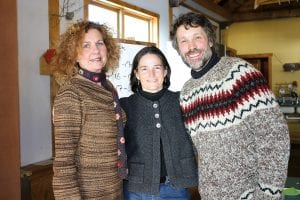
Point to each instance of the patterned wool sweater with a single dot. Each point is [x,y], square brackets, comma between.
[85,162]
[239,132]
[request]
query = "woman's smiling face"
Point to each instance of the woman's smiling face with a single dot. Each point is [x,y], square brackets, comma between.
[151,73]
[92,55]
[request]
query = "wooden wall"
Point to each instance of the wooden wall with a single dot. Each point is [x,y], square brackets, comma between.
[9,103]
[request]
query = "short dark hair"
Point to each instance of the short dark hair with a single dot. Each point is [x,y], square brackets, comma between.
[148,50]
[192,19]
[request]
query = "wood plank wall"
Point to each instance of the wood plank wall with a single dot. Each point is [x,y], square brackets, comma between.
[9,103]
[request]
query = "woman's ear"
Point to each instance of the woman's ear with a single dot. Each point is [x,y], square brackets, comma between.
[136,75]
[165,73]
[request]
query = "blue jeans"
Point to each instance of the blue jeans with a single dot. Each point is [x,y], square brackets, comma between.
[166,192]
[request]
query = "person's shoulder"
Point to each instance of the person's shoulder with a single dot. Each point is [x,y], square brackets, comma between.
[232,60]
[173,93]
[188,85]
[110,84]
[76,82]
[129,96]
[72,86]
[67,85]
[124,101]
[236,64]
[67,91]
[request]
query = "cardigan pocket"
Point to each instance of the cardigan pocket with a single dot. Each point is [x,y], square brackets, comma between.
[136,172]
[188,167]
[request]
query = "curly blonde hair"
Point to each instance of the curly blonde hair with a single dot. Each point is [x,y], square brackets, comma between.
[70,45]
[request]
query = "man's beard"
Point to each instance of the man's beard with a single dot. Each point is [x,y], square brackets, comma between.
[197,65]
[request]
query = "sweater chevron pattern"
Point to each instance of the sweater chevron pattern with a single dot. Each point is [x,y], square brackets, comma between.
[239,132]
[216,105]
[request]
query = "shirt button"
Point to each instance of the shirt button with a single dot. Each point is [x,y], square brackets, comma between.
[155,105]
[156,115]
[158,125]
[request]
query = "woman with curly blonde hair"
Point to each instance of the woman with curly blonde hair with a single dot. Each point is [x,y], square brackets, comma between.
[90,159]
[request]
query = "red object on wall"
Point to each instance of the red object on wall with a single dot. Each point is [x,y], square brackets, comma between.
[49,54]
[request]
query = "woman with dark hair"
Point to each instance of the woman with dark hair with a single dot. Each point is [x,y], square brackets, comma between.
[161,160]
[90,159]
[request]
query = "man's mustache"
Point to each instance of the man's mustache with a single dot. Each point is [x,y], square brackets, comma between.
[195,50]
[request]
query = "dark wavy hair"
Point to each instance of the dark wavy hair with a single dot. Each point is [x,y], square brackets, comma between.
[194,20]
[148,50]
[70,45]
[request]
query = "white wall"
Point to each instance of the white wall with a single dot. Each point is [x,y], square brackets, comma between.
[33,36]
[35,118]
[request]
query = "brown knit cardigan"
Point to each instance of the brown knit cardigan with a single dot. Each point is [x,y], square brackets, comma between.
[85,162]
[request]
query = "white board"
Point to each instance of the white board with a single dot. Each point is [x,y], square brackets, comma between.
[121,76]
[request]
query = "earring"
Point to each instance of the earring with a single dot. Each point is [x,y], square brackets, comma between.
[138,85]
[138,82]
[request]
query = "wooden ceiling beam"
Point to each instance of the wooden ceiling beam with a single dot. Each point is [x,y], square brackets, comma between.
[175,3]
[243,10]
[197,11]
[210,5]
[253,16]
[233,5]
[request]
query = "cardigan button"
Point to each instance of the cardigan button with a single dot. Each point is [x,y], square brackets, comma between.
[155,105]
[158,125]
[156,115]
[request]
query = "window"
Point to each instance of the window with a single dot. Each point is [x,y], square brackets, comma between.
[107,15]
[126,21]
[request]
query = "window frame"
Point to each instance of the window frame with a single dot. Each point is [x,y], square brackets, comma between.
[104,6]
[122,9]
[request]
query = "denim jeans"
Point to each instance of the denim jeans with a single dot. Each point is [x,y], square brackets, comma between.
[167,192]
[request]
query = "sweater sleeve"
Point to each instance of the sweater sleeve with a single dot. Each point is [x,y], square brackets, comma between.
[269,128]
[273,145]
[67,121]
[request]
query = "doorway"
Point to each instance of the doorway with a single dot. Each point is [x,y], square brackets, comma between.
[262,62]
